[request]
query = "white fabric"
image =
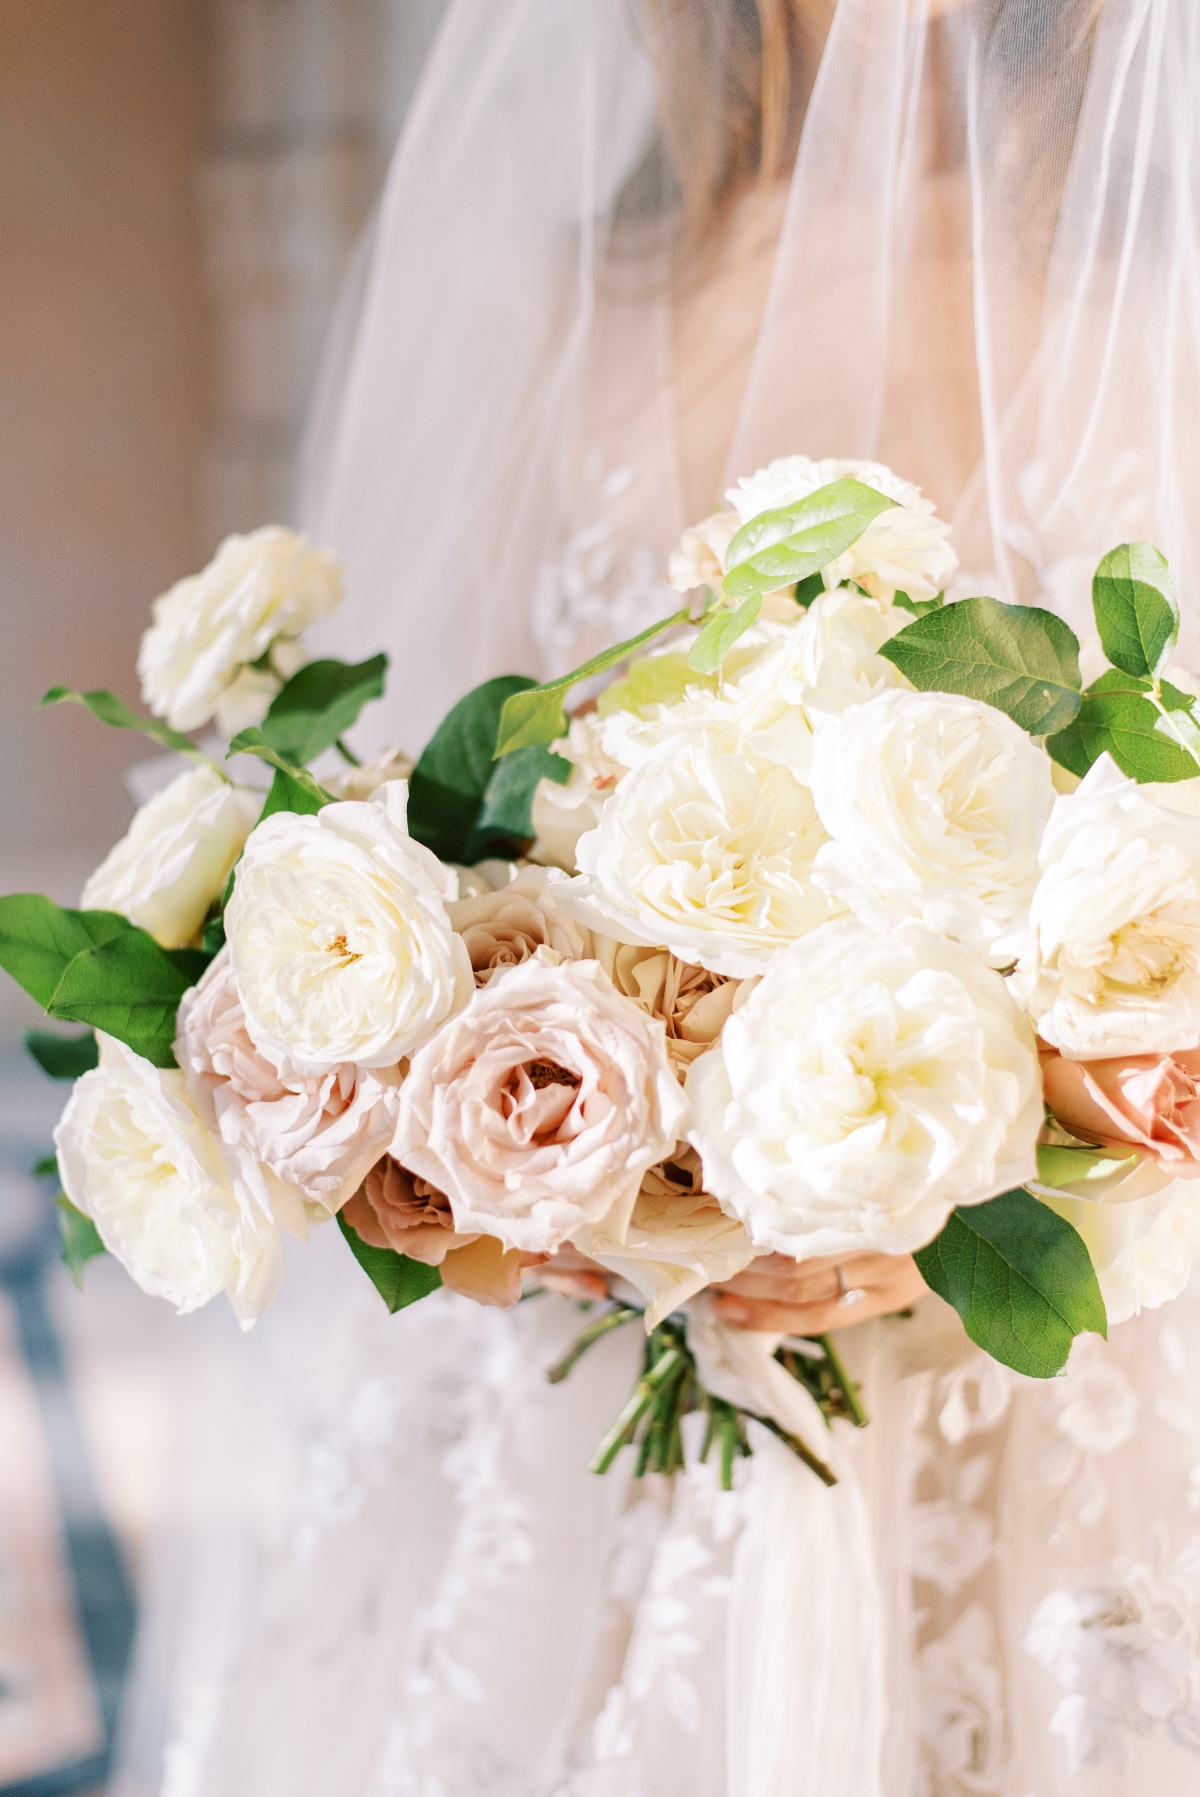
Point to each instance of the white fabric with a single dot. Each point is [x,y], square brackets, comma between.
[983,270]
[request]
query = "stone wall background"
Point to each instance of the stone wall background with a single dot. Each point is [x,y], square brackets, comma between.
[181,184]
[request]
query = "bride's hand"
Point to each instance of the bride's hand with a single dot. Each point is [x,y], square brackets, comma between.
[573,1275]
[804,1297]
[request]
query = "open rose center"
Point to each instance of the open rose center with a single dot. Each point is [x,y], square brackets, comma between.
[538,1103]
[550,1073]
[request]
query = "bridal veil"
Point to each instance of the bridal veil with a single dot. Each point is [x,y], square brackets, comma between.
[977,261]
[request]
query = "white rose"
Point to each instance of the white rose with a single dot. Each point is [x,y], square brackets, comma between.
[700,558]
[562,813]
[1111,961]
[903,550]
[1143,1250]
[135,1157]
[339,936]
[705,850]
[318,1133]
[677,1241]
[258,593]
[936,805]
[538,1109]
[175,857]
[867,1086]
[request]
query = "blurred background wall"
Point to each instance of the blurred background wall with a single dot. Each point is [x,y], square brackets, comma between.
[181,183]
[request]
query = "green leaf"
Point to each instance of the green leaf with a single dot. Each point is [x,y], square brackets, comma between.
[1022,660]
[652,680]
[1020,1278]
[287,794]
[507,812]
[97,968]
[112,710]
[536,715]
[319,704]
[919,607]
[450,781]
[809,589]
[80,1238]
[1061,1165]
[63,1057]
[794,541]
[45,1166]
[398,1280]
[253,742]
[1135,608]
[720,632]
[1118,717]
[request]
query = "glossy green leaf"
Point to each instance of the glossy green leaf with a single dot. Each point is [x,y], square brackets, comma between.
[652,680]
[289,794]
[319,704]
[720,632]
[80,1238]
[795,541]
[506,816]
[1022,660]
[1020,1278]
[111,710]
[97,968]
[63,1057]
[450,781]
[919,607]
[536,715]
[398,1280]
[253,742]
[809,589]
[1135,608]
[1117,717]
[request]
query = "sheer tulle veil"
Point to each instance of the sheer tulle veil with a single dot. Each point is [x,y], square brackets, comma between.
[987,275]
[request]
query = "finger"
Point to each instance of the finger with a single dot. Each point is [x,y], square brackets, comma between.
[781,1319]
[570,1284]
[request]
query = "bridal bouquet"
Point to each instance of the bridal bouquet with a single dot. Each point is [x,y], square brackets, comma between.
[843,918]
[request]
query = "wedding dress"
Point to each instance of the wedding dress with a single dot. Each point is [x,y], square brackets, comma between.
[391,1574]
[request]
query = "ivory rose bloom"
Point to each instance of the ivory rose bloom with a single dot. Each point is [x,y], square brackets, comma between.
[320,1132]
[504,927]
[905,549]
[538,1109]
[135,1157]
[175,857]
[677,1241]
[1110,964]
[868,1085]
[936,805]
[1144,1250]
[708,851]
[258,593]
[700,558]
[1148,1102]
[339,937]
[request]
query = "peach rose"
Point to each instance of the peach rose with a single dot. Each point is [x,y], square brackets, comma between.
[396,1209]
[1148,1101]
[319,1132]
[505,927]
[692,1002]
[539,1108]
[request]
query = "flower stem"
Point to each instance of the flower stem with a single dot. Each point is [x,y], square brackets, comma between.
[611,1319]
[639,1402]
[846,1385]
[346,754]
[825,1473]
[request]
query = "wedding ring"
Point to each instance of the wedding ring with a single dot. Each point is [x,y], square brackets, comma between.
[847,1295]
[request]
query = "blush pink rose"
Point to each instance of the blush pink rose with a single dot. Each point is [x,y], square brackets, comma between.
[1149,1102]
[318,1132]
[538,1109]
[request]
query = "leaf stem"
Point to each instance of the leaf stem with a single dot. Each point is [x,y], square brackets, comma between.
[346,754]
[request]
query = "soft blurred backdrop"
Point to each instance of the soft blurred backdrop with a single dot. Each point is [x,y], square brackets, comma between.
[181,184]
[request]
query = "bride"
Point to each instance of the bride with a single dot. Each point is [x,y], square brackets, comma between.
[626,254]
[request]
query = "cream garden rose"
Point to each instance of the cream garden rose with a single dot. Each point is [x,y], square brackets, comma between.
[258,594]
[692,1002]
[706,850]
[936,805]
[339,937]
[1143,1250]
[538,1109]
[868,1085]
[508,925]
[175,857]
[906,549]
[1110,964]
[135,1157]
[320,1133]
